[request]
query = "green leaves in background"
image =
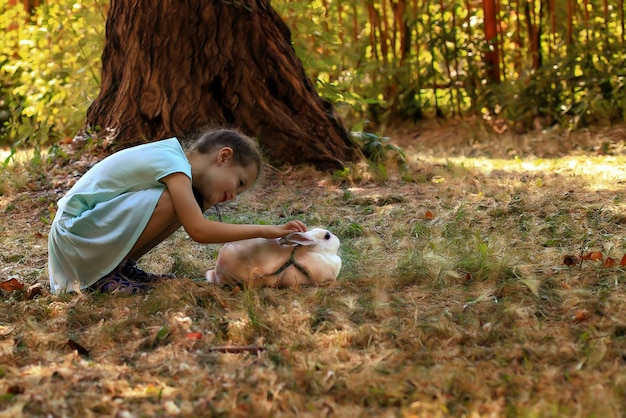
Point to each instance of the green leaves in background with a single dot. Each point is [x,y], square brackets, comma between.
[49,69]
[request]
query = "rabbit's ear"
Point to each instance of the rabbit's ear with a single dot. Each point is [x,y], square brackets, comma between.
[301,238]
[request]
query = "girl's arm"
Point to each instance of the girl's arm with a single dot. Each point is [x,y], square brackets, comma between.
[206,231]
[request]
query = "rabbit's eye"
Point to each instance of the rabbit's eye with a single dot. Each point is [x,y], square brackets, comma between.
[327,236]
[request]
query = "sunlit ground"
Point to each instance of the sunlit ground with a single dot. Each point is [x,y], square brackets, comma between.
[602,172]
[19,156]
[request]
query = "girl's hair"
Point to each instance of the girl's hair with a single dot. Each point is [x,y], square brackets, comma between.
[245,150]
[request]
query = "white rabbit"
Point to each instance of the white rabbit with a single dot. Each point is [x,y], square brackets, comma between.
[300,258]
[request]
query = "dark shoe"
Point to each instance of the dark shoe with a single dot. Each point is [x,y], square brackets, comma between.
[134,273]
[116,283]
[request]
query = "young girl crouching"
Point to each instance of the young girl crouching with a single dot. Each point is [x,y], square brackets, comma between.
[132,200]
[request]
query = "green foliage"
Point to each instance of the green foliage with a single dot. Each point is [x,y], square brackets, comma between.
[579,89]
[49,69]
[379,67]
[377,63]
[377,148]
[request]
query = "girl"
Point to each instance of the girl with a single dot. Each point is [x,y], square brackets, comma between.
[132,200]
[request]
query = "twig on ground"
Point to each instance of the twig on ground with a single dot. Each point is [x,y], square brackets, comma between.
[238,348]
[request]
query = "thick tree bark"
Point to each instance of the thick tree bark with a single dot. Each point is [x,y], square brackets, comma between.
[170,67]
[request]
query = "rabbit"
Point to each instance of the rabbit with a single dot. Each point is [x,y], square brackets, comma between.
[300,258]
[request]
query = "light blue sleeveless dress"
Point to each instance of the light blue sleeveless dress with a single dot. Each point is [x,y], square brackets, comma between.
[102,216]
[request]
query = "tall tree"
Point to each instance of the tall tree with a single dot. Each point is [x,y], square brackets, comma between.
[491,36]
[170,67]
[534,32]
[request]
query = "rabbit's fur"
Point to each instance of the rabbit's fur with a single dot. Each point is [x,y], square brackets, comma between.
[301,258]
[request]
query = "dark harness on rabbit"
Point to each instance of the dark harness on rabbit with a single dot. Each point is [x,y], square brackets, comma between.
[293,262]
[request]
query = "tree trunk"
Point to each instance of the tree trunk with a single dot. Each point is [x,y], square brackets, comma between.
[491,36]
[170,67]
[534,32]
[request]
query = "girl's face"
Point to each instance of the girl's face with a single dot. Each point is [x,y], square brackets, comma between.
[224,179]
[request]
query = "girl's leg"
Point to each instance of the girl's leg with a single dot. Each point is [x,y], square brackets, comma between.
[127,278]
[163,223]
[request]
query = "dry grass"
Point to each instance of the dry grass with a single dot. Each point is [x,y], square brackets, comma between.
[453,299]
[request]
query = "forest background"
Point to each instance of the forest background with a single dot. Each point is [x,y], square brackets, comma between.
[515,64]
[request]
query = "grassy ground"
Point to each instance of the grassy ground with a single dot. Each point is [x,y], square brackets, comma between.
[454,298]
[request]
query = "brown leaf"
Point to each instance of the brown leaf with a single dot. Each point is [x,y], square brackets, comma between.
[11,284]
[570,260]
[580,315]
[79,348]
[34,290]
[429,215]
[4,330]
[594,255]
[609,262]
[623,262]
[15,390]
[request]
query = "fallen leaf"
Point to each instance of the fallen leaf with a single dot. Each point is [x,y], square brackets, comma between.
[79,348]
[580,315]
[609,262]
[571,260]
[594,255]
[15,390]
[623,262]
[11,284]
[194,335]
[4,330]
[429,215]
[34,290]
[163,333]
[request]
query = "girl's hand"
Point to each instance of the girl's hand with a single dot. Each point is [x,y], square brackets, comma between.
[277,231]
[295,226]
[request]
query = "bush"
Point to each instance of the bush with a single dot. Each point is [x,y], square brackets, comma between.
[49,69]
